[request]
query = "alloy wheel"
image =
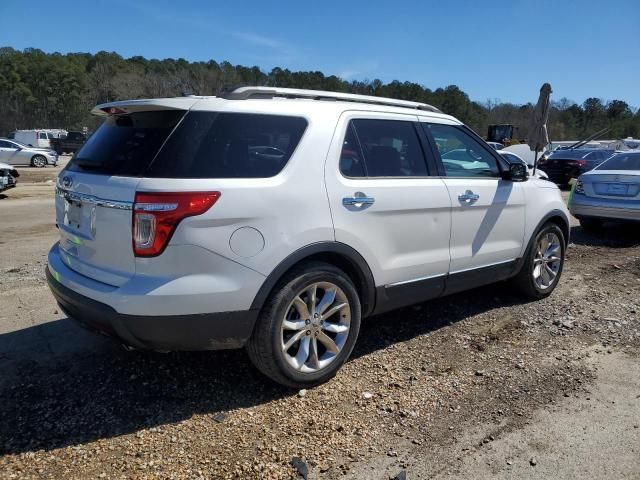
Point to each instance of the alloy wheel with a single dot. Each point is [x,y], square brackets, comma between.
[547,261]
[315,327]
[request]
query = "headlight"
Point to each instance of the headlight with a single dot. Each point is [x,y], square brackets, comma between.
[579,187]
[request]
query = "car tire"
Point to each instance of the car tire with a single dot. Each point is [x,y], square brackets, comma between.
[591,225]
[542,268]
[302,338]
[39,161]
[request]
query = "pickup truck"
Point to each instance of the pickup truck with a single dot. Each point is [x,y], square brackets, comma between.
[69,144]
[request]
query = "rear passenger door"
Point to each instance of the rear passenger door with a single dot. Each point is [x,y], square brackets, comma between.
[488,213]
[385,205]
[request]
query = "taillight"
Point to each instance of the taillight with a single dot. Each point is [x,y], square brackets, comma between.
[156,216]
[579,187]
[576,163]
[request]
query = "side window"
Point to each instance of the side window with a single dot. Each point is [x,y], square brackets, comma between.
[4,144]
[228,145]
[351,161]
[462,155]
[43,135]
[391,148]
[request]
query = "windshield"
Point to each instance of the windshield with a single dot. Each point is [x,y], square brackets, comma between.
[20,144]
[622,161]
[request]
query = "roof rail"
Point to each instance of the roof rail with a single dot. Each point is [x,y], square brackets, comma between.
[245,93]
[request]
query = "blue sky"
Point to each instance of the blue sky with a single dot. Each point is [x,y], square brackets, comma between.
[500,49]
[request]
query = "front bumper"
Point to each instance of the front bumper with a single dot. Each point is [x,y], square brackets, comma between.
[583,206]
[212,331]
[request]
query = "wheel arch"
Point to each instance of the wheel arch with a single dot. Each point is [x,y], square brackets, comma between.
[335,253]
[559,218]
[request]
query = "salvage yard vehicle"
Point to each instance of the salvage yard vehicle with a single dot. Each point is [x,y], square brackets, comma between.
[611,191]
[513,158]
[69,143]
[8,177]
[16,153]
[277,219]
[564,165]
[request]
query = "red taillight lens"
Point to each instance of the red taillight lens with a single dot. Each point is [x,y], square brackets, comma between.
[576,163]
[156,216]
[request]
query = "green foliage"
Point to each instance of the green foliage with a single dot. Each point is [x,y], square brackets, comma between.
[40,90]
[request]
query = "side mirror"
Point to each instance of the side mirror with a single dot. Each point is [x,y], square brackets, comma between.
[517,173]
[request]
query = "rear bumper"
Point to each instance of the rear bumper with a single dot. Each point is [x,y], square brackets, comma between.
[212,331]
[582,206]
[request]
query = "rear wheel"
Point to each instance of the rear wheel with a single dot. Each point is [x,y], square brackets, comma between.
[590,224]
[308,327]
[543,263]
[38,161]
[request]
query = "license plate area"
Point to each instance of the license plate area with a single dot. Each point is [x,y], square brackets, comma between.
[72,213]
[616,189]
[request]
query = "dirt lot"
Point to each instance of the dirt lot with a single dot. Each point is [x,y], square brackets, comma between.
[476,385]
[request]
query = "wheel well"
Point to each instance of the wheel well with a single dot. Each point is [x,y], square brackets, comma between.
[561,222]
[357,270]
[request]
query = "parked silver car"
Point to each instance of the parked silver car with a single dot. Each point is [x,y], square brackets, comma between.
[16,153]
[611,191]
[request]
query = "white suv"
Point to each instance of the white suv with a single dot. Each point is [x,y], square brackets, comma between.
[277,219]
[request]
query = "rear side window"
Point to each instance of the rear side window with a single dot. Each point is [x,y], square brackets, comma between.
[228,145]
[125,145]
[390,148]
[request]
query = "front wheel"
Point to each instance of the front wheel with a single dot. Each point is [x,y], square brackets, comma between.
[543,262]
[38,161]
[308,327]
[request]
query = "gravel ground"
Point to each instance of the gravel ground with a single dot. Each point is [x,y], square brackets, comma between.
[448,388]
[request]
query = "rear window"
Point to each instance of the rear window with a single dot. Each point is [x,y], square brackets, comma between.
[125,145]
[568,154]
[229,145]
[622,162]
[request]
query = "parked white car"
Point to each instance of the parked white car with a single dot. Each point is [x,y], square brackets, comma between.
[16,153]
[513,158]
[275,220]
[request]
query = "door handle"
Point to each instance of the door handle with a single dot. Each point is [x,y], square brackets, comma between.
[468,197]
[359,199]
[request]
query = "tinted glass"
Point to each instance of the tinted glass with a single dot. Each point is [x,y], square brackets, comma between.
[126,144]
[391,148]
[462,155]
[4,144]
[564,154]
[228,145]
[622,162]
[351,159]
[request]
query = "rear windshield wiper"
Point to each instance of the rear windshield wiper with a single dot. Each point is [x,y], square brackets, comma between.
[87,163]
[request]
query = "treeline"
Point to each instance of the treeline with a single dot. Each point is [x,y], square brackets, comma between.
[41,90]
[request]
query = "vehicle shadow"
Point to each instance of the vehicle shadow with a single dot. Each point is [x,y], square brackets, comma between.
[610,234]
[86,388]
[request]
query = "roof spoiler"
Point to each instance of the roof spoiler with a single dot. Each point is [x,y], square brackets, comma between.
[143,105]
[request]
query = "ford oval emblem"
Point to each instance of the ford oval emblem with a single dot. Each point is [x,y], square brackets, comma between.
[67,181]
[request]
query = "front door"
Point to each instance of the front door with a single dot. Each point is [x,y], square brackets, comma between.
[488,213]
[8,152]
[385,205]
